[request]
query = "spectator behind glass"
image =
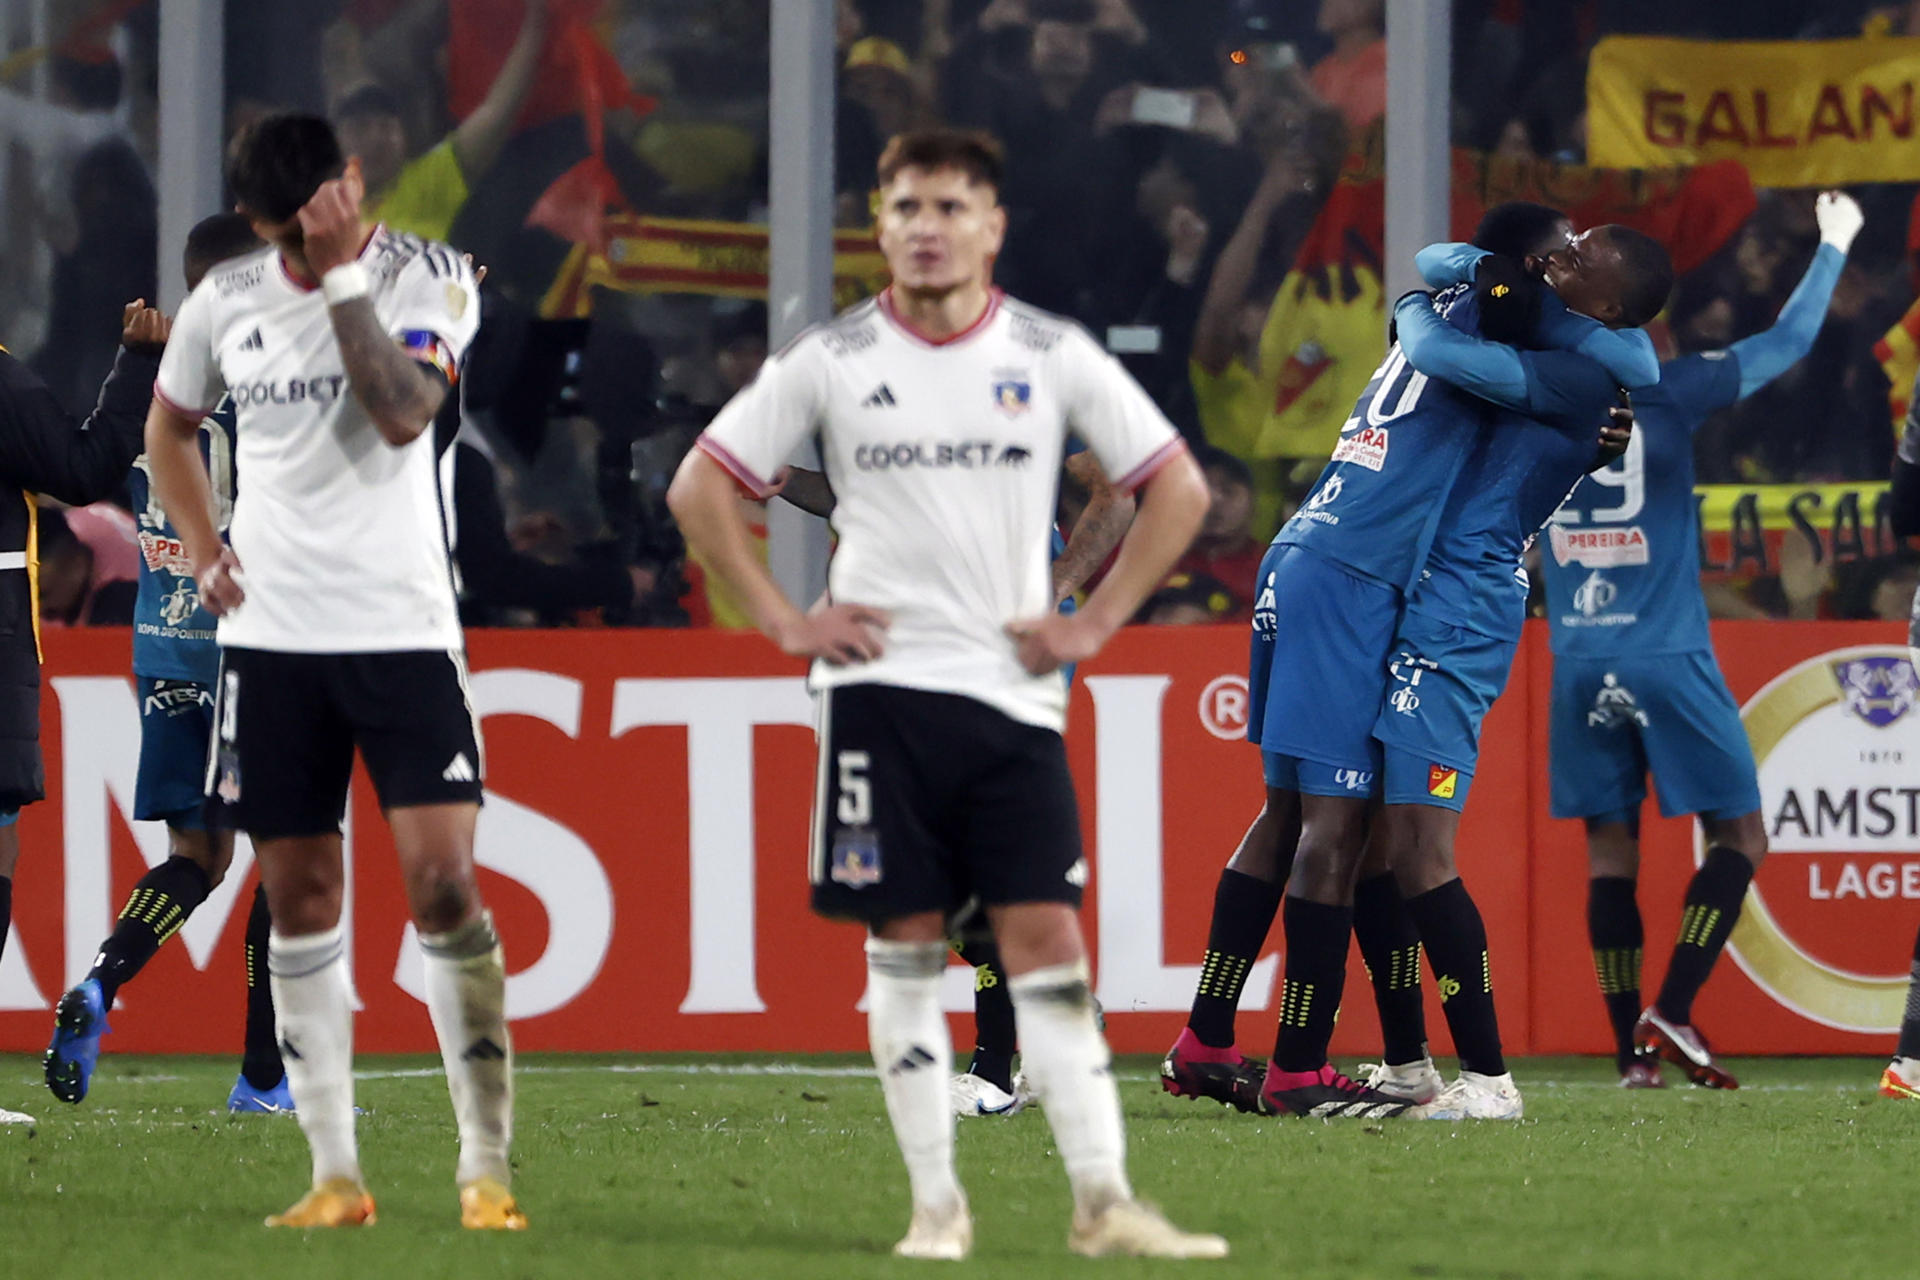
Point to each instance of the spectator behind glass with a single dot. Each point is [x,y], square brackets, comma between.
[1190,600]
[424,195]
[105,248]
[89,566]
[1353,77]
[1226,550]
[1063,179]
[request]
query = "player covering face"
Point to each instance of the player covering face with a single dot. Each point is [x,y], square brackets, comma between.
[341,634]
[943,409]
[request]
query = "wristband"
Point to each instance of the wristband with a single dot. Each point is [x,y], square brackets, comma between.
[344,283]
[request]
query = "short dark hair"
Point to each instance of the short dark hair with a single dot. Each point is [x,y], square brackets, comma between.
[1518,228]
[275,164]
[974,152]
[370,99]
[214,240]
[94,84]
[1646,274]
[1213,458]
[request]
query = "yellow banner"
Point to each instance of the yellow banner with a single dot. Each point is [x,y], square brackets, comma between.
[1744,528]
[1797,113]
[721,259]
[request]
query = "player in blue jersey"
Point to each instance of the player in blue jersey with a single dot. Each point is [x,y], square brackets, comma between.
[175,662]
[1636,689]
[1337,575]
[1461,627]
[989,1087]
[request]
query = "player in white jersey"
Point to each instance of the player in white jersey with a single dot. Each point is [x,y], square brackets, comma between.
[338,626]
[943,409]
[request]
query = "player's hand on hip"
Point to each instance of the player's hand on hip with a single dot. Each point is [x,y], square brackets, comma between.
[330,221]
[222,584]
[1048,643]
[1839,217]
[144,326]
[841,634]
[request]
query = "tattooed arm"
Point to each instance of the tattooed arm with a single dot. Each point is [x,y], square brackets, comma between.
[399,393]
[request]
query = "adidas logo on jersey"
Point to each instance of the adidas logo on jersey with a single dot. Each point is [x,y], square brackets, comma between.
[254,342]
[882,398]
[460,770]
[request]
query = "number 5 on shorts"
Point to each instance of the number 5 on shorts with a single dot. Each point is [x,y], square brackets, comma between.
[856,792]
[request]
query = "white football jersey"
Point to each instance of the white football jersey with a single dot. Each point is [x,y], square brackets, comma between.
[945,460]
[340,536]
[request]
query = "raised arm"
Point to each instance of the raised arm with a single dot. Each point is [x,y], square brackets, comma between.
[400,394]
[1445,265]
[479,138]
[1770,353]
[42,448]
[1215,334]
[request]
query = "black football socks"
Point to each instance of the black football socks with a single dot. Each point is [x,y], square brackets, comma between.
[993,1029]
[1243,911]
[1456,941]
[1390,945]
[1317,935]
[159,905]
[260,1058]
[1619,940]
[1909,1024]
[1713,903]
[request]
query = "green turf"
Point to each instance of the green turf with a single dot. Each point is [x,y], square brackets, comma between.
[658,1168]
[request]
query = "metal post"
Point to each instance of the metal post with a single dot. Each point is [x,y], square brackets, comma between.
[192,104]
[800,289]
[1419,144]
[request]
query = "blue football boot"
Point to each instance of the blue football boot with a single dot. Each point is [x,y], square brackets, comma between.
[246,1099]
[79,1020]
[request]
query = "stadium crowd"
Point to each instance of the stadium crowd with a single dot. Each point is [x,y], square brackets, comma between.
[1175,187]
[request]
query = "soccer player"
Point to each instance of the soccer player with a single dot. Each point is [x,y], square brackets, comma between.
[338,627]
[942,770]
[1462,623]
[1901,1079]
[1635,687]
[175,660]
[43,451]
[988,1087]
[1338,573]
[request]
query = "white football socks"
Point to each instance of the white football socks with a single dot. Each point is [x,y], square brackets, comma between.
[1066,1061]
[314,1015]
[914,1056]
[466,982]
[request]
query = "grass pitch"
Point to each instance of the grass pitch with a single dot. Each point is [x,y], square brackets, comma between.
[670,1167]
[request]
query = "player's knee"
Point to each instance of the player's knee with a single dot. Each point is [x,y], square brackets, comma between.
[443,895]
[205,850]
[1745,835]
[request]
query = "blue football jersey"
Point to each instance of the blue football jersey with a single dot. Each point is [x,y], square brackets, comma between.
[1516,475]
[1377,503]
[173,636]
[1623,555]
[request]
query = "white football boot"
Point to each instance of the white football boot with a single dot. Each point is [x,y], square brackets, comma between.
[1473,1097]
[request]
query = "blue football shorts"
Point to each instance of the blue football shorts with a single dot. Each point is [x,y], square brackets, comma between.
[1443,681]
[176,724]
[1316,672]
[1615,720]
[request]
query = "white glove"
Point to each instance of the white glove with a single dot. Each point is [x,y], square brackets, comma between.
[1839,217]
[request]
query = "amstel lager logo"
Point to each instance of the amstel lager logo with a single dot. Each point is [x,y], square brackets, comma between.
[1837,741]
